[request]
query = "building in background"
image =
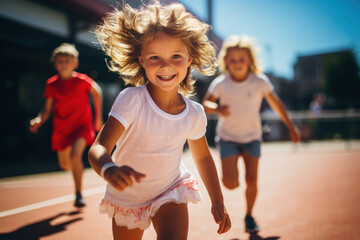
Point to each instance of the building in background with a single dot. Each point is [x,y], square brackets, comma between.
[314,74]
[30,31]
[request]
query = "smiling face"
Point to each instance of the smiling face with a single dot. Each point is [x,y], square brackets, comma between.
[238,63]
[166,60]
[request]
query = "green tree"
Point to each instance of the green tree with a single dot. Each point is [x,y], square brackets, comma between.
[342,80]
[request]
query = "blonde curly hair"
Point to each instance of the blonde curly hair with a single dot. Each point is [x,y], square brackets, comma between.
[123,32]
[241,42]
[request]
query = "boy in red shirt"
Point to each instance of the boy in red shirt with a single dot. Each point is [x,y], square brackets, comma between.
[67,96]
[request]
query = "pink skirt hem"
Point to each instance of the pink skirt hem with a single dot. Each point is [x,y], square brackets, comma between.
[140,217]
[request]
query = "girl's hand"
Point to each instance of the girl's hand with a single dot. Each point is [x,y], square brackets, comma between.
[120,177]
[223,110]
[221,217]
[295,134]
[35,124]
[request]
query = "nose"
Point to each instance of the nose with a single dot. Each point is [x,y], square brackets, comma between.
[165,64]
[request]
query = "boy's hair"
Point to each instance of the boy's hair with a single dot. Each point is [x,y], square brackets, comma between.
[241,42]
[66,49]
[124,32]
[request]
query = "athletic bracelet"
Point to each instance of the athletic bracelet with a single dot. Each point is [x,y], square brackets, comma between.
[105,167]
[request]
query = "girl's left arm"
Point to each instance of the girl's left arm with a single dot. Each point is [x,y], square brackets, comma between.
[205,165]
[96,94]
[277,105]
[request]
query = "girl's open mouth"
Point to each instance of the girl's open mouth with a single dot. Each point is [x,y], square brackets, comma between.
[166,77]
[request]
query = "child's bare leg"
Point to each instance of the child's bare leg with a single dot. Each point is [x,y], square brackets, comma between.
[251,176]
[77,151]
[230,172]
[64,158]
[123,233]
[171,222]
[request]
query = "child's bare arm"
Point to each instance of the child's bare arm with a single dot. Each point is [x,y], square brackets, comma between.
[99,155]
[211,107]
[43,116]
[277,105]
[96,93]
[207,170]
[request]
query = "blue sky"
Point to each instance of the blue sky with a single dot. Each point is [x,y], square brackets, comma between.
[285,29]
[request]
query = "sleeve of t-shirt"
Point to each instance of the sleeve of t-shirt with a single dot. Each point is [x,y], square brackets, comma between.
[126,106]
[87,81]
[48,92]
[267,86]
[199,129]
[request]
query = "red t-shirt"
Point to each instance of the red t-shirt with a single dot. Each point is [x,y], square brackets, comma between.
[72,116]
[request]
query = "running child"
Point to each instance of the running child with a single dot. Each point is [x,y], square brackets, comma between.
[155,48]
[67,97]
[236,96]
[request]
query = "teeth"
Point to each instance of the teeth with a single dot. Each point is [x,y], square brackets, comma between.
[166,77]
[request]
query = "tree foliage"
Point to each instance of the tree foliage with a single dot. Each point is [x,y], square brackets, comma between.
[342,80]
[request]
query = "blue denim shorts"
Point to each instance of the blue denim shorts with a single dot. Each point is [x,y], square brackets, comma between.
[228,148]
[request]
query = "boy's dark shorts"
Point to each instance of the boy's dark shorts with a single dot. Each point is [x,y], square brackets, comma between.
[229,148]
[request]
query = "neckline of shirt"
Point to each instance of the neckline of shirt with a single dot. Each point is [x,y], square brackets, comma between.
[75,75]
[235,83]
[161,112]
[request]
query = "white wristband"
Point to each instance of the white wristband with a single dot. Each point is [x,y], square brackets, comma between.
[105,167]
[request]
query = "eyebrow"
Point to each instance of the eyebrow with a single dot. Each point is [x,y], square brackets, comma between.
[157,53]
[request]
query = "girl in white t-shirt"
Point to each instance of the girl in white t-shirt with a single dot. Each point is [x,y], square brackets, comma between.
[154,48]
[239,92]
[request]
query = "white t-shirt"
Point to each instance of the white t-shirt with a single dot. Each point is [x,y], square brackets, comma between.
[152,144]
[244,99]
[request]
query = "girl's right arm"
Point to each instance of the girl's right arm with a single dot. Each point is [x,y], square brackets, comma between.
[211,107]
[99,155]
[43,116]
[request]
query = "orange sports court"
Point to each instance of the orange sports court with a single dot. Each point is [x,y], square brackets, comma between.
[306,191]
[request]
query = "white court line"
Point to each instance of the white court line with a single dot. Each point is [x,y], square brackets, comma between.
[54,201]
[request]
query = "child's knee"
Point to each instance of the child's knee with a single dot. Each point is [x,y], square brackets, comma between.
[65,166]
[76,162]
[251,180]
[230,184]
[76,157]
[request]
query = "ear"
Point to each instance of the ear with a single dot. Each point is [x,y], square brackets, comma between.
[76,64]
[225,60]
[189,61]
[141,61]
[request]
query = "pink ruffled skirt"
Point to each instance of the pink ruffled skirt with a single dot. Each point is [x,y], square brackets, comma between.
[184,192]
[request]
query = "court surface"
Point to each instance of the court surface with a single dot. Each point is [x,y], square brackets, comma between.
[306,191]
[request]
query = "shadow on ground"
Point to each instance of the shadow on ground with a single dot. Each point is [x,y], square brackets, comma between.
[255,236]
[51,225]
